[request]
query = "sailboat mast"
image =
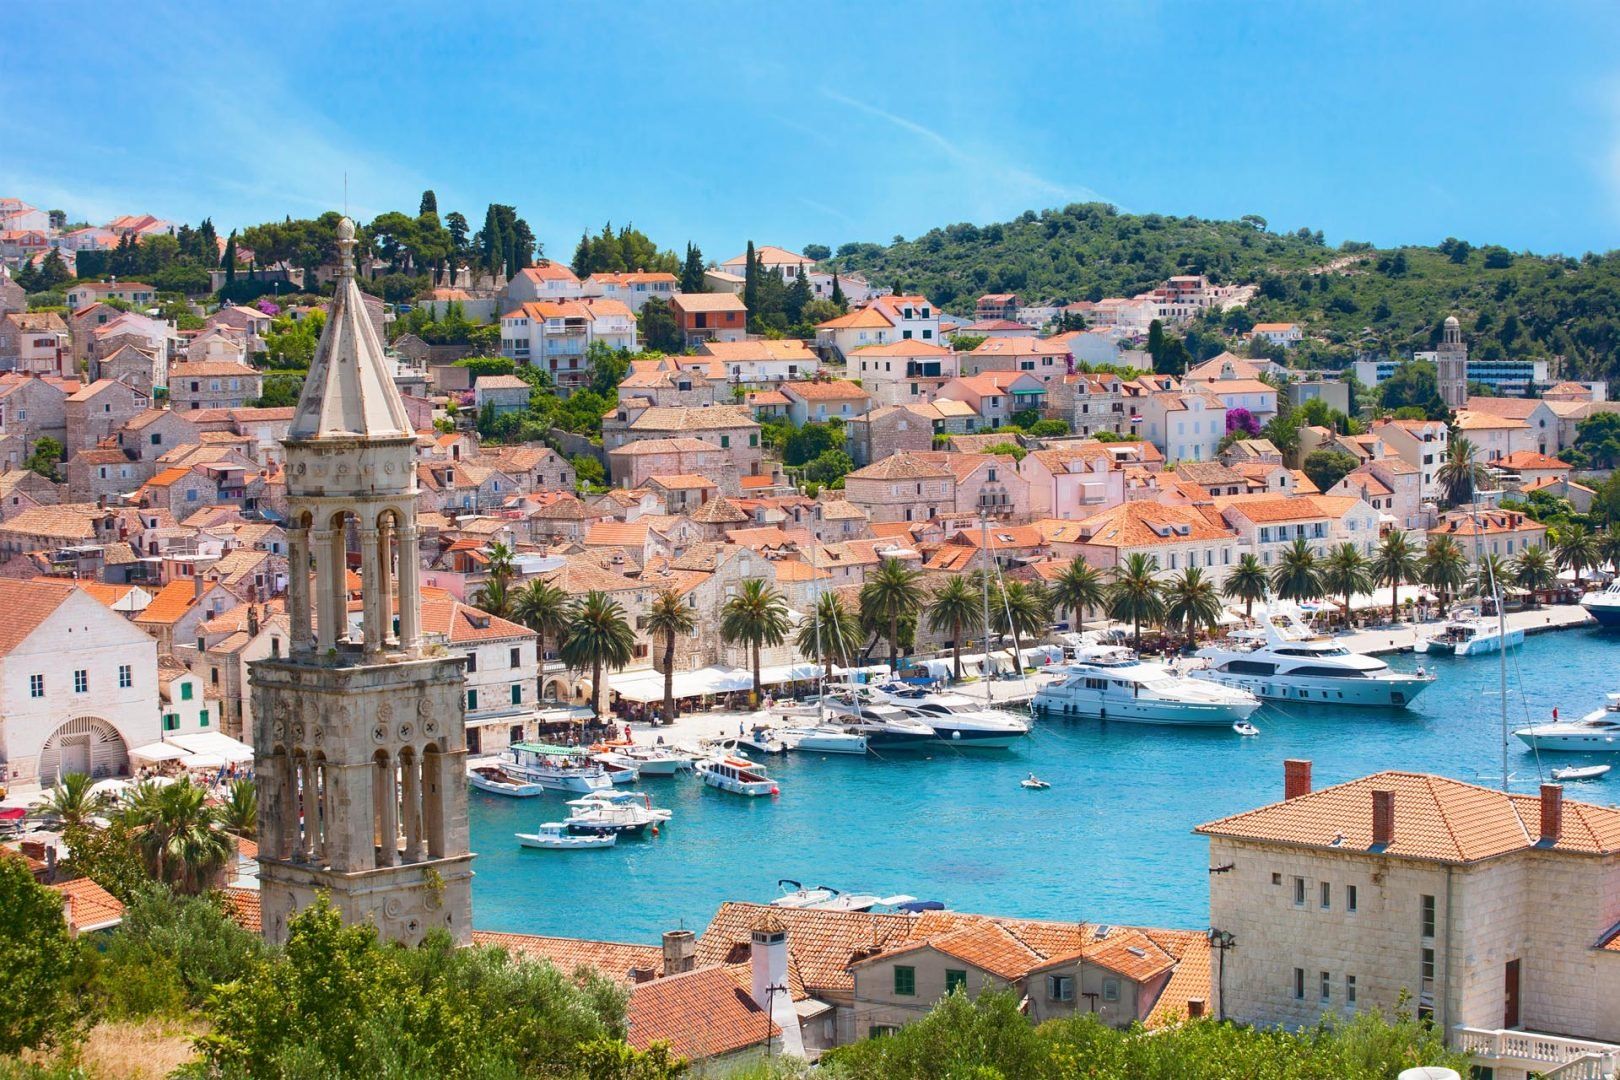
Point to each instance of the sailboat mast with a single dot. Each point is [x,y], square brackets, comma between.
[984,580]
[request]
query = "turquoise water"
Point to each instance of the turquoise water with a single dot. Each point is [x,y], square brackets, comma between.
[1110,842]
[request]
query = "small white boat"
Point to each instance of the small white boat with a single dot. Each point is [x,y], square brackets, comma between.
[654,760]
[555,768]
[822,739]
[1580,772]
[554,836]
[619,770]
[1467,633]
[498,782]
[1033,783]
[1244,728]
[762,740]
[827,898]
[1113,683]
[736,775]
[615,812]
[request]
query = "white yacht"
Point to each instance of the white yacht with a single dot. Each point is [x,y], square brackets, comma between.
[1285,661]
[1113,683]
[1604,605]
[737,775]
[886,727]
[646,760]
[1597,731]
[555,768]
[629,812]
[821,739]
[955,718]
[1467,633]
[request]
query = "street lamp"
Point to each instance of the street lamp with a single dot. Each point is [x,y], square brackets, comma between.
[1221,940]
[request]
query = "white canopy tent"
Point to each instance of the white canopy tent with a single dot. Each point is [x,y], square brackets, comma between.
[648,686]
[215,744]
[152,753]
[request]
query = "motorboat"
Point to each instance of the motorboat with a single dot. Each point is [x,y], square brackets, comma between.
[761,740]
[800,896]
[1284,660]
[497,781]
[822,739]
[885,727]
[827,898]
[619,770]
[1598,730]
[654,760]
[627,812]
[955,718]
[1467,633]
[1246,729]
[1604,605]
[555,768]
[1581,772]
[737,775]
[1111,682]
[554,836]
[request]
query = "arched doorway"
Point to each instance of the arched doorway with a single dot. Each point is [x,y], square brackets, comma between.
[85,744]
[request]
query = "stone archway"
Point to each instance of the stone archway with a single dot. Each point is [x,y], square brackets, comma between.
[86,744]
[558,690]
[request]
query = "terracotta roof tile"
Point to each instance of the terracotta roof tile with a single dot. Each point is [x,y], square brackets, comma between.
[611,959]
[700,1014]
[88,906]
[27,605]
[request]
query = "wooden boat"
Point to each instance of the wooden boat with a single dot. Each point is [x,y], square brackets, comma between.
[499,782]
[554,836]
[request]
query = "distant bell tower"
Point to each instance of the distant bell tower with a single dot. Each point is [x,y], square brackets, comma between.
[359,740]
[1451,358]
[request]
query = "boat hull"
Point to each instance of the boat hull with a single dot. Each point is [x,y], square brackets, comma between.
[829,744]
[571,843]
[1366,693]
[582,784]
[661,766]
[1481,646]
[1571,742]
[511,791]
[1140,711]
[977,738]
[753,788]
[1607,615]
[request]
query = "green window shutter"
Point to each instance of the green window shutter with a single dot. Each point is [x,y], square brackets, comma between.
[905,981]
[954,979]
[202,718]
[185,691]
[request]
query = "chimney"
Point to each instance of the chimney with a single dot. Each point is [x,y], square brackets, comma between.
[67,914]
[1383,818]
[768,958]
[1296,778]
[1552,813]
[1195,1008]
[680,948]
[642,975]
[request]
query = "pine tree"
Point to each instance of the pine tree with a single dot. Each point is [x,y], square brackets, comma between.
[750,281]
[798,295]
[692,270]
[582,257]
[430,203]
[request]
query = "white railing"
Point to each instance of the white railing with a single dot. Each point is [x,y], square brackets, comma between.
[1585,1058]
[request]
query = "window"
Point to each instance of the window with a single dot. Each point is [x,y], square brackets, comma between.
[517,693]
[880,1031]
[472,699]
[185,691]
[1428,965]
[202,718]
[1060,988]
[472,661]
[516,657]
[1110,990]
[955,979]
[1327,896]
[1299,892]
[171,721]
[1349,989]
[1299,984]
[1428,916]
[36,686]
[905,981]
[753,439]
[1326,987]
[1350,899]
[81,681]
[126,677]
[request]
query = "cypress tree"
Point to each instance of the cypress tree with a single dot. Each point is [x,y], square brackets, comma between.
[837,296]
[430,203]
[692,270]
[229,260]
[751,281]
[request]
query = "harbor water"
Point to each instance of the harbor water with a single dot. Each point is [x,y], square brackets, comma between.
[1111,841]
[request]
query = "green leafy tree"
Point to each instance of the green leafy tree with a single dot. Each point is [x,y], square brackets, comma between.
[1247,582]
[1491,573]
[1414,384]
[1445,568]
[1608,542]
[239,809]
[669,618]
[831,635]
[1577,549]
[1296,575]
[73,802]
[179,835]
[757,616]
[1461,473]
[892,594]
[1135,595]
[1192,603]
[598,636]
[1327,467]
[37,962]
[46,455]
[1597,439]
[1346,572]
[659,332]
[955,606]
[1395,561]
[1079,588]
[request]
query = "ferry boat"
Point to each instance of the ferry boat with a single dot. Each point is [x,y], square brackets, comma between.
[554,836]
[1597,731]
[1113,683]
[492,779]
[737,775]
[624,812]
[1284,660]
[1466,633]
[1604,605]
[555,768]
[822,739]
[955,718]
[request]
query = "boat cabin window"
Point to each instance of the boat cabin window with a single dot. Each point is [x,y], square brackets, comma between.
[1328,672]
[1096,684]
[1249,667]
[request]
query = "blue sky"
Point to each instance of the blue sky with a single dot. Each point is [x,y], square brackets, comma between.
[826,122]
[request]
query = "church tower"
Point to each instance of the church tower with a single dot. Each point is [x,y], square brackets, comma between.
[359,738]
[1451,360]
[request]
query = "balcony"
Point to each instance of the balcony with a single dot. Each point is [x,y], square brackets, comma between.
[1554,1057]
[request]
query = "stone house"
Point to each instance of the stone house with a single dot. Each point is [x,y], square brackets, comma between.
[634,464]
[1174,537]
[904,372]
[1506,533]
[131,364]
[903,487]
[104,475]
[891,429]
[1072,481]
[730,428]
[1422,444]
[99,411]
[1089,403]
[995,397]
[531,468]
[33,407]
[153,433]
[502,393]
[761,362]
[1045,359]
[223,648]
[822,400]
[1492,914]
[1495,437]
[46,528]
[660,382]
[35,342]
[502,671]
[214,385]
[1186,425]
[24,489]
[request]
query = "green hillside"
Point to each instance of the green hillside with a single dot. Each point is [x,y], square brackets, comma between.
[1353,297]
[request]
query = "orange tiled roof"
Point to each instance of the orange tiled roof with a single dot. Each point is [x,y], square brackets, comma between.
[88,906]
[457,622]
[827,390]
[1530,459]
[27,605]
[700,1014]
[609,958]
[171,602]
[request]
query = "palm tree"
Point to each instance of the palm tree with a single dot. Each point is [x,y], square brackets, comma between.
[1460,474]
[670,617]
[1395,561]
[1345,573]
[1134,595]
[239,812]
[1191,602]
[494,597]
[598,635]
[1296,575]
[756,616]
[1444,568]
[543,608]
[890,595]
[1020,610]
[1078,588]
[179,837]
[1577,549]
[1492,570]
[1609,549]
[832,632]
[1533,570]
[1246,582]
[500,562]
[72,802]
[955,606]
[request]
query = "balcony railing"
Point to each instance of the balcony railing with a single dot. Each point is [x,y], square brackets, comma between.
[1549,1055]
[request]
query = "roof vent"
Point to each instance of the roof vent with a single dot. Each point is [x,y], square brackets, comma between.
[1103,931]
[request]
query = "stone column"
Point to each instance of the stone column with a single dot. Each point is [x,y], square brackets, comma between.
[348,794]
[288,786]
[411,806]
[388,781]
[337,568]
[298,589]
[410,590]
[385,580]
[306,777]
[323,811]
[270,769]
[374,605]
[326,626]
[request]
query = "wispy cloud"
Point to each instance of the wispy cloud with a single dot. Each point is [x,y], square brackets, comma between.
[986,165]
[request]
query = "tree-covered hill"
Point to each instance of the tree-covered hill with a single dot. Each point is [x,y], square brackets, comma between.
[1353,298]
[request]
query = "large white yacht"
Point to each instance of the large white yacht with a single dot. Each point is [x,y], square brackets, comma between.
[555,768]
[1604,605]
[1284,660]
[886,727]
[1468,633]
[955,718]
[1113,683]
[1598,730]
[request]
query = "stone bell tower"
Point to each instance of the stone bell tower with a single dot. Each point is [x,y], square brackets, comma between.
[1451,365]
[359,739]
